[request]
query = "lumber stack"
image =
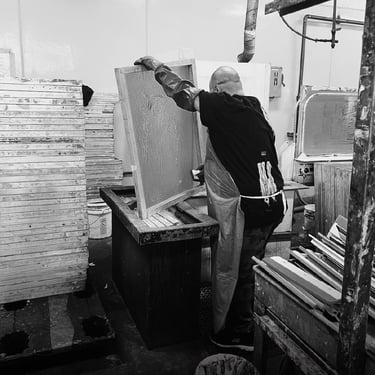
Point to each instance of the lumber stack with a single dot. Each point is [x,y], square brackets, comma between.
[102,168]
[316,276]
[43,219]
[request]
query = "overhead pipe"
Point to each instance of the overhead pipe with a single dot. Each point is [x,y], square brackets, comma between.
[20,35]
[249,32]
[303,41]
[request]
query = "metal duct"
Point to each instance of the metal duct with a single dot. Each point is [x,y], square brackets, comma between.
[249,32]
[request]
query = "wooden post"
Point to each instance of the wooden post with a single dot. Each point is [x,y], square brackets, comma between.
[361,240]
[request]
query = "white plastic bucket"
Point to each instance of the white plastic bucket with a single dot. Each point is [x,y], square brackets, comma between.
[100,219]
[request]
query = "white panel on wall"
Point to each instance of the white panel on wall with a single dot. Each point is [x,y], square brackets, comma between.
[255,77]
[338,66]
[255,80]
[82,39]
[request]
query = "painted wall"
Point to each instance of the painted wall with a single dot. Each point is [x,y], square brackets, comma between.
[87,39]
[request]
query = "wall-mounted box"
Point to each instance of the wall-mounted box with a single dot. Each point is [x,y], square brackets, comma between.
[276,81]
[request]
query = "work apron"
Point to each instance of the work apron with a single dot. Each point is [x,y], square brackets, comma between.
[224,206]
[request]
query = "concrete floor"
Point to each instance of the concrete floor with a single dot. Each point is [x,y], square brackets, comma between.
[129,355]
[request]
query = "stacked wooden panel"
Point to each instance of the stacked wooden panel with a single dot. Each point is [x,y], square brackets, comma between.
[43,216]
[315,276]
[332,189]
[102,168]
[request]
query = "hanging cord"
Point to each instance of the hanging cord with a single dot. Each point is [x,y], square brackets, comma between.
[305,36]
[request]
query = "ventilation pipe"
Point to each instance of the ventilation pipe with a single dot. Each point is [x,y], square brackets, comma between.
[249,32]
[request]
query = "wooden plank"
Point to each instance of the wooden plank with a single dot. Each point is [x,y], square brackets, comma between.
[35,178]
[41,246]
[318,196]
[41,153]
[72,145]
[34,95]
[46,220]
[41,196]
[41,140]
[43,279]
[79,179]
[40,263]
[314,286]
[40,136]
[42,114]
[164,221]
[51,249]
[19,248]
[76,110]
[161,126]
[39,87]
[24,82]
[99,120]
[333,272]
[149,223]
[155,222]
[333,245]
[332,183]
[45,290]
[168,216]
[91,126]
[36,215]
[316,270]
[38,165]
[37,156]
[337,259]
[25,102]
[306,298]
[79,226]
[328,198]
[43,251]
[39,190]
[22,239]
[22,206]
[26,121]
[8,129]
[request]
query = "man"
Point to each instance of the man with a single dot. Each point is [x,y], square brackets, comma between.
[244,190]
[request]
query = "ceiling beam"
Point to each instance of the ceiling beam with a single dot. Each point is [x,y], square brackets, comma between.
[290,6]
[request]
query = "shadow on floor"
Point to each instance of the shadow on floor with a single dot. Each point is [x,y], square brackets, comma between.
[129,355]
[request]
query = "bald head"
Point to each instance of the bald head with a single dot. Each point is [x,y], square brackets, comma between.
[226,79]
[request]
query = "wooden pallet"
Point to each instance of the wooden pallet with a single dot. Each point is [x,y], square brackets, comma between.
[43,328]
[43,227]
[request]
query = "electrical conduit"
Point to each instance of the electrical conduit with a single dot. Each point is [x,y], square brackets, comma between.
[249,32]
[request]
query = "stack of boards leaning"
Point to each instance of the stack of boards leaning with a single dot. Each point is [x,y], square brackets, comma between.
[43,220]
[316,275]
[102,168]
